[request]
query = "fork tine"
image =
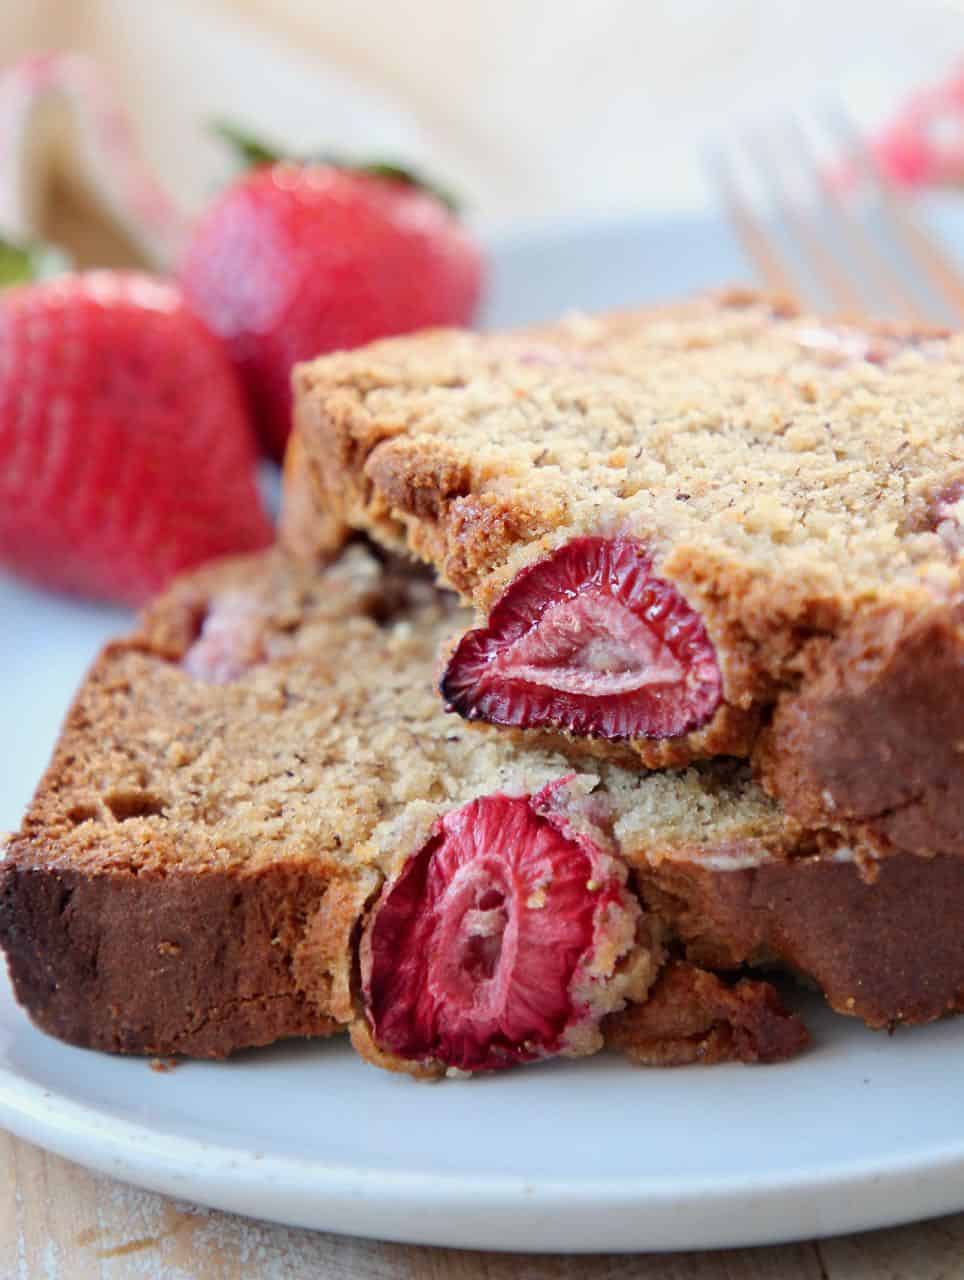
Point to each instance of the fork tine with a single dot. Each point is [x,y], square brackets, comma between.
[924,248]
[749,229]
[897,295]
[833,281]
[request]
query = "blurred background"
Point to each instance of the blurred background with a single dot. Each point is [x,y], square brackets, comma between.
[574,133]
[528,108]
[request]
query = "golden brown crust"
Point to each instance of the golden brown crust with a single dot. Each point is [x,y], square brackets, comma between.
[365,1047]
[327,944]
[306,530]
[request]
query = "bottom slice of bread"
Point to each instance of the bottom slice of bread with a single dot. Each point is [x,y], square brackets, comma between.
[258,822]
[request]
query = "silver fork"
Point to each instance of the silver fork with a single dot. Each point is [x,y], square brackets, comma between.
[854,247]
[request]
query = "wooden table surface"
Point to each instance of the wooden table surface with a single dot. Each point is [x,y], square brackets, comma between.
[59,1222]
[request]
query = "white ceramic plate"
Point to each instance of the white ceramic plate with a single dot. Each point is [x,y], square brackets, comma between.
[862,1131]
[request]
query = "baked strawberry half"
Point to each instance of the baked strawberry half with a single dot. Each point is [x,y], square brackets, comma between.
[232,638]
[501,941]
[590,641]
[945,517]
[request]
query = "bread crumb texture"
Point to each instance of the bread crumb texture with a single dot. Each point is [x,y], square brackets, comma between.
[753,435]
[783,472]
[328,742]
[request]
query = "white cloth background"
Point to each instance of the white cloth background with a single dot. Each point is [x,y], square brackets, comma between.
[530,107]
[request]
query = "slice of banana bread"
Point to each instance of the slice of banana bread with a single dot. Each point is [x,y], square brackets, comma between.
[259,822]
[679,527]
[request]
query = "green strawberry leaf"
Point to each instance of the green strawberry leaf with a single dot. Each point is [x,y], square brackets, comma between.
[26,263]
[399,173]
[252,153]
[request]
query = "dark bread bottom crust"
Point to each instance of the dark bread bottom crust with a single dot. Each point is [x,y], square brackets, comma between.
[887,948]
[189,962]
[207,963]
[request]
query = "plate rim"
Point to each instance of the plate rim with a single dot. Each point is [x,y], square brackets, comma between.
[574,1216]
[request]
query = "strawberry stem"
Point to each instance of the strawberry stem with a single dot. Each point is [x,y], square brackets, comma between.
[249,151]
[254,152]
[392,172]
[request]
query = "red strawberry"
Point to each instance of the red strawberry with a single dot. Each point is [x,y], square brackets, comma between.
[588,640]
[296,260]
[125,452]
[499,940]
[924,145]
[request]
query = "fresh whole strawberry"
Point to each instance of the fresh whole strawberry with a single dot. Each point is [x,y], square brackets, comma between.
[125,451]
[295,260]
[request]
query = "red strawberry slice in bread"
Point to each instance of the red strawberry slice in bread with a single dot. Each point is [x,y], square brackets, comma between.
[499,942]
[590,641]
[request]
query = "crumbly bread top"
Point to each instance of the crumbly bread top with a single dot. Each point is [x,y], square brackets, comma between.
[823,457]
[331,744]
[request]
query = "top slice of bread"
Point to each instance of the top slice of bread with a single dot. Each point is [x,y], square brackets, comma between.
[799,482]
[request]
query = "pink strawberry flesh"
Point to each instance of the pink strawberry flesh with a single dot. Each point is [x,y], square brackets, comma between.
[947,500]
[471,956]
[230,641]
[589,641]
[942,517]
